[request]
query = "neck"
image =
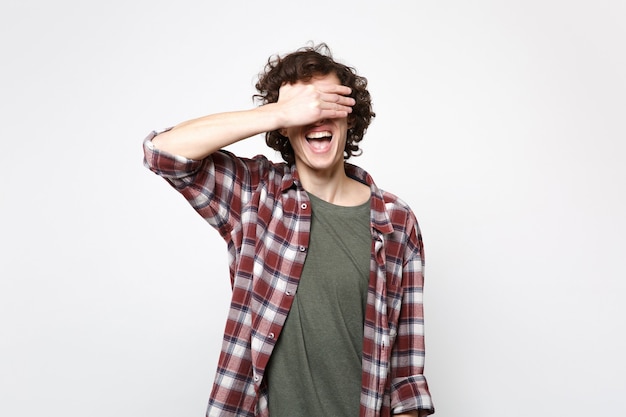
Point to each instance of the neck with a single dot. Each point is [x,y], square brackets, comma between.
[334,187]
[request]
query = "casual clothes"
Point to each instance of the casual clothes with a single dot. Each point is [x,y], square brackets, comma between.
[264,215]
[315,367]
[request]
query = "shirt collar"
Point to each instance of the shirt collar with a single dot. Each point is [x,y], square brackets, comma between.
[380,217]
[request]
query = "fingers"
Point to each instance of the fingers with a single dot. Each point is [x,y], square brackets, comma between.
[334,114]
[334,102]
[334,89]
[325,92]
[335,93]
[305,103]
[337,99]
[334,110]
[335,105]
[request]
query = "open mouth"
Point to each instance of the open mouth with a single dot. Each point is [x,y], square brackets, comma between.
[319,140]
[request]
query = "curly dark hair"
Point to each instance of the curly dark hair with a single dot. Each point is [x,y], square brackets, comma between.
[302,65]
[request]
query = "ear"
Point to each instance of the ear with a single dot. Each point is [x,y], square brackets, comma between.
[283,132]
[351,121]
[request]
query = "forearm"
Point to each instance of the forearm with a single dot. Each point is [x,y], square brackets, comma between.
[198,138]
[299,104]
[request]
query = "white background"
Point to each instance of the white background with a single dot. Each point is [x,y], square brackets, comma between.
[502,123]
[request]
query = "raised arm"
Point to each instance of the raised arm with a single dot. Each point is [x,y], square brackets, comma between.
[298,105]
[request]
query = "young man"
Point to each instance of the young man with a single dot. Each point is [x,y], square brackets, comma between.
[326,315]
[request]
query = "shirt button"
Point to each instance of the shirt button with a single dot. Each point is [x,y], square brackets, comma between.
[271,335]
[256,378]
[288,292]
[302,249]
[303,206]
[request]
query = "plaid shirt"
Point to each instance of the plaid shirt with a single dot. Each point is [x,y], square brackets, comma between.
[264,215]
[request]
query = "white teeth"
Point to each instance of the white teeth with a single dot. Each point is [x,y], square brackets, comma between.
[319,135]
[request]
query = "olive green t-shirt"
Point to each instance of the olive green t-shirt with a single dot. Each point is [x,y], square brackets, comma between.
[315,368]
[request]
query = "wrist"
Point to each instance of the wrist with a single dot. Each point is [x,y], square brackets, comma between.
[275,119]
